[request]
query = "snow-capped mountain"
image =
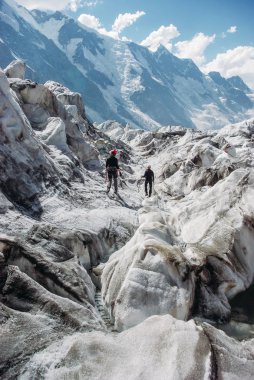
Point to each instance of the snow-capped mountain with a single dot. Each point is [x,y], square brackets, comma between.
[119,80]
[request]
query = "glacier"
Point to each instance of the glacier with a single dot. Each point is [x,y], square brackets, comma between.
[96,286]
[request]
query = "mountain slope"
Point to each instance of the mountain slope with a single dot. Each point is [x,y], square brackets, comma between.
[119,80]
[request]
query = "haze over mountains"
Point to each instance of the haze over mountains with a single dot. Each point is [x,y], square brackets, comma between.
[119,80]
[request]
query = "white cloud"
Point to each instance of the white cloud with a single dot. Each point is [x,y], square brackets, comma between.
[90,21]
[194,48]
[121,22]
[73,5]
[92,3]
[94,23]
[238,61]
[162,36]
[55,5]
[44,4]
[232,29]
[124,20]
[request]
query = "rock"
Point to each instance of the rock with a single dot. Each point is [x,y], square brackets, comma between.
[67,97]
[57,268]
[35,318]
[54,133]
[16,69]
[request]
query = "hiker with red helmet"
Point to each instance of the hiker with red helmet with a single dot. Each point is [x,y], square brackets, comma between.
[112,169]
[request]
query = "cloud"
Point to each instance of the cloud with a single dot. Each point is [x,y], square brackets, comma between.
[232,29]
[55,5]
[238,61]
[93,22]
[44,4]
[121,22]
[124,20]
[90,21]
[162,36]
[73,5]
[194,48]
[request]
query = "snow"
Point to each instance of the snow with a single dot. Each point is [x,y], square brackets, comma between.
[22,12]
[151,350]
[10,21]
[51,30]
[194,236]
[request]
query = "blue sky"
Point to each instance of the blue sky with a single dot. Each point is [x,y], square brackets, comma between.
[216,34]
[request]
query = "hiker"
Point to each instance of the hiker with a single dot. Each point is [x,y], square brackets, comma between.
[149,179]
[112,169]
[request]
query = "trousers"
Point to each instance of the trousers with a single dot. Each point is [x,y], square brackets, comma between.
[150,183]
[112,175]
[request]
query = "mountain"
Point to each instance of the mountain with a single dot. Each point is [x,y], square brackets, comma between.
[119,80]
[237,82]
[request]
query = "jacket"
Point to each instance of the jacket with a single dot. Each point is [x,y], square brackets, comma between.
[149,175]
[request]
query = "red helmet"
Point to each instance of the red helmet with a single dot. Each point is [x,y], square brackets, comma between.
[114,152]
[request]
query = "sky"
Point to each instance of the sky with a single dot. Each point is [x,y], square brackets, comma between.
[218,35]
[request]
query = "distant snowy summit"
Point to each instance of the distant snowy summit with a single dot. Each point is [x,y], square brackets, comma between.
[120,80]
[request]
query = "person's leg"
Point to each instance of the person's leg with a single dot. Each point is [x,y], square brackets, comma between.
[146,183]
[109,181]
[115,182]
[150,188]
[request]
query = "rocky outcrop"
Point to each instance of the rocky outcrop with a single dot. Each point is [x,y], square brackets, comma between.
[16,69]
[54,267]
[25,167]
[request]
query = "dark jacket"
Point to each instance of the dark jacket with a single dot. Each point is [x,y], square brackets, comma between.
[149,175]
[112,163]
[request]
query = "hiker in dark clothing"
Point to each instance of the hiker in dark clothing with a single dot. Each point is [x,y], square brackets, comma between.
[149,180]
[112,169]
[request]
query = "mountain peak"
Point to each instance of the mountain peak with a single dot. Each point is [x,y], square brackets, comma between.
[119,80]
[44,16]
[237,82]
